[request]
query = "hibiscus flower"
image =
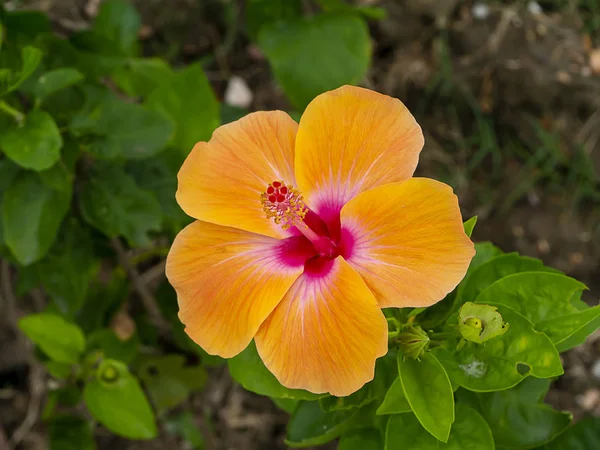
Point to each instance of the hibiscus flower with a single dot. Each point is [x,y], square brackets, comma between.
[305,231]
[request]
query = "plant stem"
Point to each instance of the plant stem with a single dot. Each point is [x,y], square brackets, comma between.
[17,115]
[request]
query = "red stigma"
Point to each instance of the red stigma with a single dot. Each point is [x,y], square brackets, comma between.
[276,184]
[272,198]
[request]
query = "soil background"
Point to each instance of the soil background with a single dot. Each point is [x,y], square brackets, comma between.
[508,95]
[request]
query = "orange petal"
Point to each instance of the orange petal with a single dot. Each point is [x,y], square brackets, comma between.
[326,333]
[221,181]
[350,140]
[228,281]
[407,241]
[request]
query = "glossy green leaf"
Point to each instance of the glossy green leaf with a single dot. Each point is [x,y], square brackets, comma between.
[67,271]
[62,341]
[120,405]
[310,425]
[469,432]
[584,435]
[395,400]
[368,439]
[189,101]
[494,269]
[518,419]
[118,21]
[169,381]
[386,370]
[562,328]
[429,393]
[120,129]
[111,201]
[30,60]
[312,55]
[469,225]
[536,295]
[35,144]
[264,12]
[493,366]
[31,217]
[248,369]
[55,80]
[69,432]
[579,337]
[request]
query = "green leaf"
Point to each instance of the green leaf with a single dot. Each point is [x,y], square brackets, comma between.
[31,58]
[386,369]
[493,366]
[316,54]
[429,393]
[469,432]
[62,341]
[518,420]
[112,347]
[121,129]
[55,80]
[69,432]
[34,144]
[579,337]
[31,217]
[120,405]
[286,404]
[469,225]
[111,201]
[484,251]
[367,439]
[24,26]
[310,425]
[159,176]
[190,103]
[395,400]
[265,12]
[119,22]
[248,369]
[69,268]
[493,270]
[562,328]
[584,435]
[536,295]
[140,76]
[169,382]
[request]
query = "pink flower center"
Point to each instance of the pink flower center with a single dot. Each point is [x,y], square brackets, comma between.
[285,205]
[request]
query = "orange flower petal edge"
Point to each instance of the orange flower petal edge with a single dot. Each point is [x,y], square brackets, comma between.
[408,241]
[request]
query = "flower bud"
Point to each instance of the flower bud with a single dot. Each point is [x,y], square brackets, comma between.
[480,323]
[413,341]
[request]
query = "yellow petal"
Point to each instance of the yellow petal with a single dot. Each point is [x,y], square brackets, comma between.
[407,241]
[221,181]
[326,333]
[350,140]
[228,281]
